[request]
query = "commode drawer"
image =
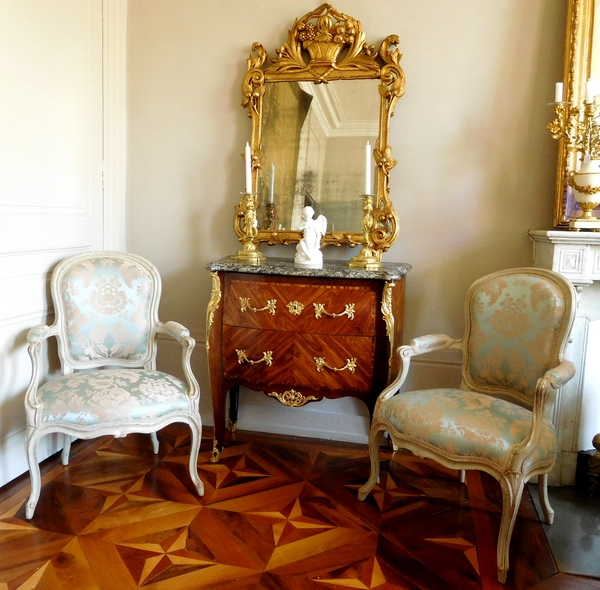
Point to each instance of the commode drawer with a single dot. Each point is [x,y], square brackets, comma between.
[300,307]
[258,356]
[316,361]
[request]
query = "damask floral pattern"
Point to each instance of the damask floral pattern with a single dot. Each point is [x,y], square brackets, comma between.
[466,423]
[107,309]
[93,397]
[514,327]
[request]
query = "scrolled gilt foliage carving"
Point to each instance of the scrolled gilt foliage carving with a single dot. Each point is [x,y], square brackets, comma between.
[253,87]
[292,398]
[323,46]
[324,39]
[213,305]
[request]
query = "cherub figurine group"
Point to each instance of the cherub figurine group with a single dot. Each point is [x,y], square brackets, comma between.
[308,250]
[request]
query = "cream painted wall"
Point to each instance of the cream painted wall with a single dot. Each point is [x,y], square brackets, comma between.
[475,161]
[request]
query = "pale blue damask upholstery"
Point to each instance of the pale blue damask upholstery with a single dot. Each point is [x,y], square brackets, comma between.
[106,307]
[113,395]
[517,326]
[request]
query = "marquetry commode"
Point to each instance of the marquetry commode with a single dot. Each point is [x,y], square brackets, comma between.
[301,335]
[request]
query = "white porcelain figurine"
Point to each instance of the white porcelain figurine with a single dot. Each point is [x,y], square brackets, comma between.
[308,250]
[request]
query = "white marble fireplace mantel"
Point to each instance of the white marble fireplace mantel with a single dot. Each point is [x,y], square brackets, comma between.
[576,415]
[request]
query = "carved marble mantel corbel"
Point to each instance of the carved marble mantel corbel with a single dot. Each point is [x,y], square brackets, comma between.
[576,413]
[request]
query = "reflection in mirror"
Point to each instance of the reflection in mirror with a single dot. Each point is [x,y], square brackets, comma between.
[314,138]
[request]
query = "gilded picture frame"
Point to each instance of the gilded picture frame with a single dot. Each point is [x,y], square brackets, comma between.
[580,56]
[323,46]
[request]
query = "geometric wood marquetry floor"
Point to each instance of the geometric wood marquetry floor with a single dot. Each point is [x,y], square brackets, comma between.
[278,513]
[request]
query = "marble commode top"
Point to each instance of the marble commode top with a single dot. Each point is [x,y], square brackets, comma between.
[337,269]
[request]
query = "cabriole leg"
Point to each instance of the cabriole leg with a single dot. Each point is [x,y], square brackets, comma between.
[196,429]
[543,495]
[33,438]
[375,439]
[66,450]
[155,445]
[512,490]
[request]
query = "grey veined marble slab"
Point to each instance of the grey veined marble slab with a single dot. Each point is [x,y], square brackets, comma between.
[337,269]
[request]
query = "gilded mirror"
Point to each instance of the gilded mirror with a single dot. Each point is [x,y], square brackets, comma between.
[582,61]
[315,107]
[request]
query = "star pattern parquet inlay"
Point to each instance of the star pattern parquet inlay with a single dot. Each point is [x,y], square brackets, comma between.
[278,513]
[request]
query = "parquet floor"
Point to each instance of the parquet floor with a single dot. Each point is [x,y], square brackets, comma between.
[278,513]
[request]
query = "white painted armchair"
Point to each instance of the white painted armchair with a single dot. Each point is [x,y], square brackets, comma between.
[106,322]
[517,324]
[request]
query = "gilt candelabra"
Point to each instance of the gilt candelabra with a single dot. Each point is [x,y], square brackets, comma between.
[246,216]
[579,127]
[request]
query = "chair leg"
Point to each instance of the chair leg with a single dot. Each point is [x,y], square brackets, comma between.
[64,456]
[512,490]
[543,495]
[196,429]
[34,471]
[154,440]
[375,438]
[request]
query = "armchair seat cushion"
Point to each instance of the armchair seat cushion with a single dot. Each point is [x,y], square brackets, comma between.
[112,395]
[466,424]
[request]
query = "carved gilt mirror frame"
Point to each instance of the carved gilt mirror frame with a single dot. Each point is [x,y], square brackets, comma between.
[324,46]
[581,62]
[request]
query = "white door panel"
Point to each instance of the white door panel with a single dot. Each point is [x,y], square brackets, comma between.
[51,195]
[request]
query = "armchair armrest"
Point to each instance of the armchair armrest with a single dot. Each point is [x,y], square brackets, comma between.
[559,376]
[431,343]
[420,345]
[555,377]
[35,337]
[38,334]
[182,335]
[178,332]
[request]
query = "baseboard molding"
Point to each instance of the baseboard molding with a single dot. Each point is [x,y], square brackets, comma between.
[13,460]
[344,419]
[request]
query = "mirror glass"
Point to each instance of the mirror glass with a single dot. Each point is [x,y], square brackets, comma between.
[313,152]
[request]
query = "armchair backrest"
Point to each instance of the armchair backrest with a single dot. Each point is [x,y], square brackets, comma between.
[517,326]
[106,306]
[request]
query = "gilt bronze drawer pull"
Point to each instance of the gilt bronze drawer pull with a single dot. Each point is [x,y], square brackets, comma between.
[267,358]
[320,310]
[270,307]
[350,365]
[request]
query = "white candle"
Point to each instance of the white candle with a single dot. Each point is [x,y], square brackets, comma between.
[272,185]
[248,159]
[590,91]
[368,182]
[558,92]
